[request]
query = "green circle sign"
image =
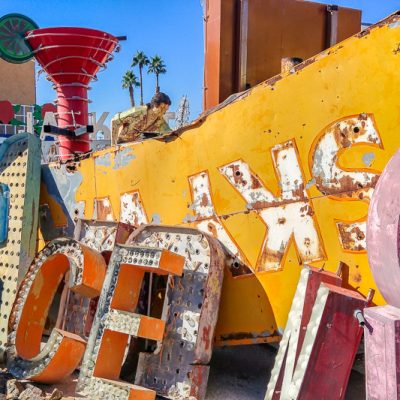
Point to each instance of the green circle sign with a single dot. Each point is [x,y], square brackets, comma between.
[13,46]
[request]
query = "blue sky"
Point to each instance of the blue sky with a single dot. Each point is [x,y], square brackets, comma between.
[171,28]
[373,10]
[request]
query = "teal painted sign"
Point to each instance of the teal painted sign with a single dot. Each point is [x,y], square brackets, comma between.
[4,211]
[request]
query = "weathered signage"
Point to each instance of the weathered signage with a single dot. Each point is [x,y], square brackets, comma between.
[185,333]
[382,328]
[282,176]
[320,341]
[19,207]
[46,114]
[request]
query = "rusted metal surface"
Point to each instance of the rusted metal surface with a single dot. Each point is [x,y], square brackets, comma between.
[289,214]
[60,184]
[102,210]
[338,168]
[179,368]
[132,211]
[75,314]
[382,355]
[320,341]
[207,220]
[20,171]
[116,320]
[102,235]
[329,177]
[284,194]
[47,227]
[76,311]
[99,235]
[352,236]
[63,351]
[246,40]
[274,33]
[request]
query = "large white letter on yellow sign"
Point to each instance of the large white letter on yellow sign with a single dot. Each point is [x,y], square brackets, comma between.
[288,215]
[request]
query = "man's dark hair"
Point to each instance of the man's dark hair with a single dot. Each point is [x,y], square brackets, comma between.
[160,98]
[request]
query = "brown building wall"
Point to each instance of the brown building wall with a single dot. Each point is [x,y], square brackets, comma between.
[17,82]
[246,40]
[220,42]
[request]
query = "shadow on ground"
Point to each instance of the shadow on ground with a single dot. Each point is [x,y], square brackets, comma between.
[237,373]
[242,373]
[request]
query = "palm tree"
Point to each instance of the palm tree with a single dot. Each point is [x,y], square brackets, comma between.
[157,67]
[140,59]
[130,81]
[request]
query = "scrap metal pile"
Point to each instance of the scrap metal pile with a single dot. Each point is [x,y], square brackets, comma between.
[130,264]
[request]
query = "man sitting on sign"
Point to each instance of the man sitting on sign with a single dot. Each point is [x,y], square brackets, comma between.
[146,119]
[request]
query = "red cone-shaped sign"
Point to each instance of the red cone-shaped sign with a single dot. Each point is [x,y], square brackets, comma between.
[71,57]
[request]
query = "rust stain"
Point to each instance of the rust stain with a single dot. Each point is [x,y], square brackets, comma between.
[356,277]
[204,200]
[206,337]
[255,182]
[387,21]
[349,237]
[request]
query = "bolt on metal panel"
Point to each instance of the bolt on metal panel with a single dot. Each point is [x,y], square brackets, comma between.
[179,368]
[116,320]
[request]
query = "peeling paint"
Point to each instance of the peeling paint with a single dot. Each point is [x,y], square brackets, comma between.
[353,235]
[368,159]
[123,157]
[189,218]
[394,25]
[329,177]
[310,183]
[103,160]
[102,210]
[191,311]
[62,186]
[206,217]
[287,215]
[156,219]
[131,209]
[125,272]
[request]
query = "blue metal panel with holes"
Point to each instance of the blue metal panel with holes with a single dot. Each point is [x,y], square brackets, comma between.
[4,211]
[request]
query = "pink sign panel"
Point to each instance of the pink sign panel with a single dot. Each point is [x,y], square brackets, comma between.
[383,232]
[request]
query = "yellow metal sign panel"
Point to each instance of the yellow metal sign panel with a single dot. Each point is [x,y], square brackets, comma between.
[282,176]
